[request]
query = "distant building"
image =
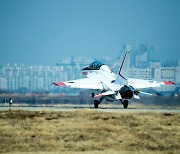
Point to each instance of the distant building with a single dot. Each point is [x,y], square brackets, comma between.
[30,77]
[177,74]
[140,73]
[3,83]
[140,57]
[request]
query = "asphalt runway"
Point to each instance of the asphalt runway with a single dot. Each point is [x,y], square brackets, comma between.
[89,107]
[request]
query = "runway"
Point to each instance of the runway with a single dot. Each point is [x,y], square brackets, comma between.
[90,107]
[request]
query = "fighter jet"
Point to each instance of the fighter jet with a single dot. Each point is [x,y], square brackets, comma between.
[110,86]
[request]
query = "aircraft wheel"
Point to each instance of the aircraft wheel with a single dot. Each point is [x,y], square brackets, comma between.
[125,104]
[96,103]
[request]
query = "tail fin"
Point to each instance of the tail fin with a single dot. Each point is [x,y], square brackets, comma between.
[124,68]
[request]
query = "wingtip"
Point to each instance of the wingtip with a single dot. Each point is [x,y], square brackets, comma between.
[62,84]
[169,82]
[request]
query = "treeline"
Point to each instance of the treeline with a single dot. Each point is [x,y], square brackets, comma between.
[82,98]
[34,98]
[173,100]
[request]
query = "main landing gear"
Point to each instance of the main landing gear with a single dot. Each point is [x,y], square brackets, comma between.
[97,102]
[125,104]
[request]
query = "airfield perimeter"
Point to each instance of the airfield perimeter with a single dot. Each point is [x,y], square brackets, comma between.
[83,129]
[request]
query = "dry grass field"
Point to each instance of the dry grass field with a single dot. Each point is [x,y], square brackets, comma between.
[88,131]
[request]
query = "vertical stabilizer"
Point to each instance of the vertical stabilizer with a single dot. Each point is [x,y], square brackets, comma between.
[124,68]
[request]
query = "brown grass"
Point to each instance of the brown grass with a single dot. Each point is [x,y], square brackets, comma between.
[89,131]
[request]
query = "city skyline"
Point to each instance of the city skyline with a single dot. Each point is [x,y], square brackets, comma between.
[39,78]
[39,32]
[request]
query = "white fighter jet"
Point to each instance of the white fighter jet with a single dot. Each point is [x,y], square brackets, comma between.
[110,86]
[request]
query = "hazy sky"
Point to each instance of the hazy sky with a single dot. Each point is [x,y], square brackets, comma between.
[41,31]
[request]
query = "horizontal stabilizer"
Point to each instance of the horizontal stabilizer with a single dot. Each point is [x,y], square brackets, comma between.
[145,93]
[105,93]
[136,96]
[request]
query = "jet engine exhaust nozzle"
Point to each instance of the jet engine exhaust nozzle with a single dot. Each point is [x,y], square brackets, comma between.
[126,92]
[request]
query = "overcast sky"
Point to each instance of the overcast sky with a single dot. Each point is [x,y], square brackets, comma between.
[41,31]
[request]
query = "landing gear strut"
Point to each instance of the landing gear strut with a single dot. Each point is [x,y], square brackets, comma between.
[96,103]
[125,104]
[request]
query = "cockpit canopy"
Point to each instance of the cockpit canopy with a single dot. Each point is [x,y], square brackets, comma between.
[94,66]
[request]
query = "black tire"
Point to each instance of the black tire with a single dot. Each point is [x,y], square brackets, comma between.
[125,104]
[96,103]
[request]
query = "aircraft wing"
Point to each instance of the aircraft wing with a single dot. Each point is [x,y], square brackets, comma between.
[87,83]
[141,84]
